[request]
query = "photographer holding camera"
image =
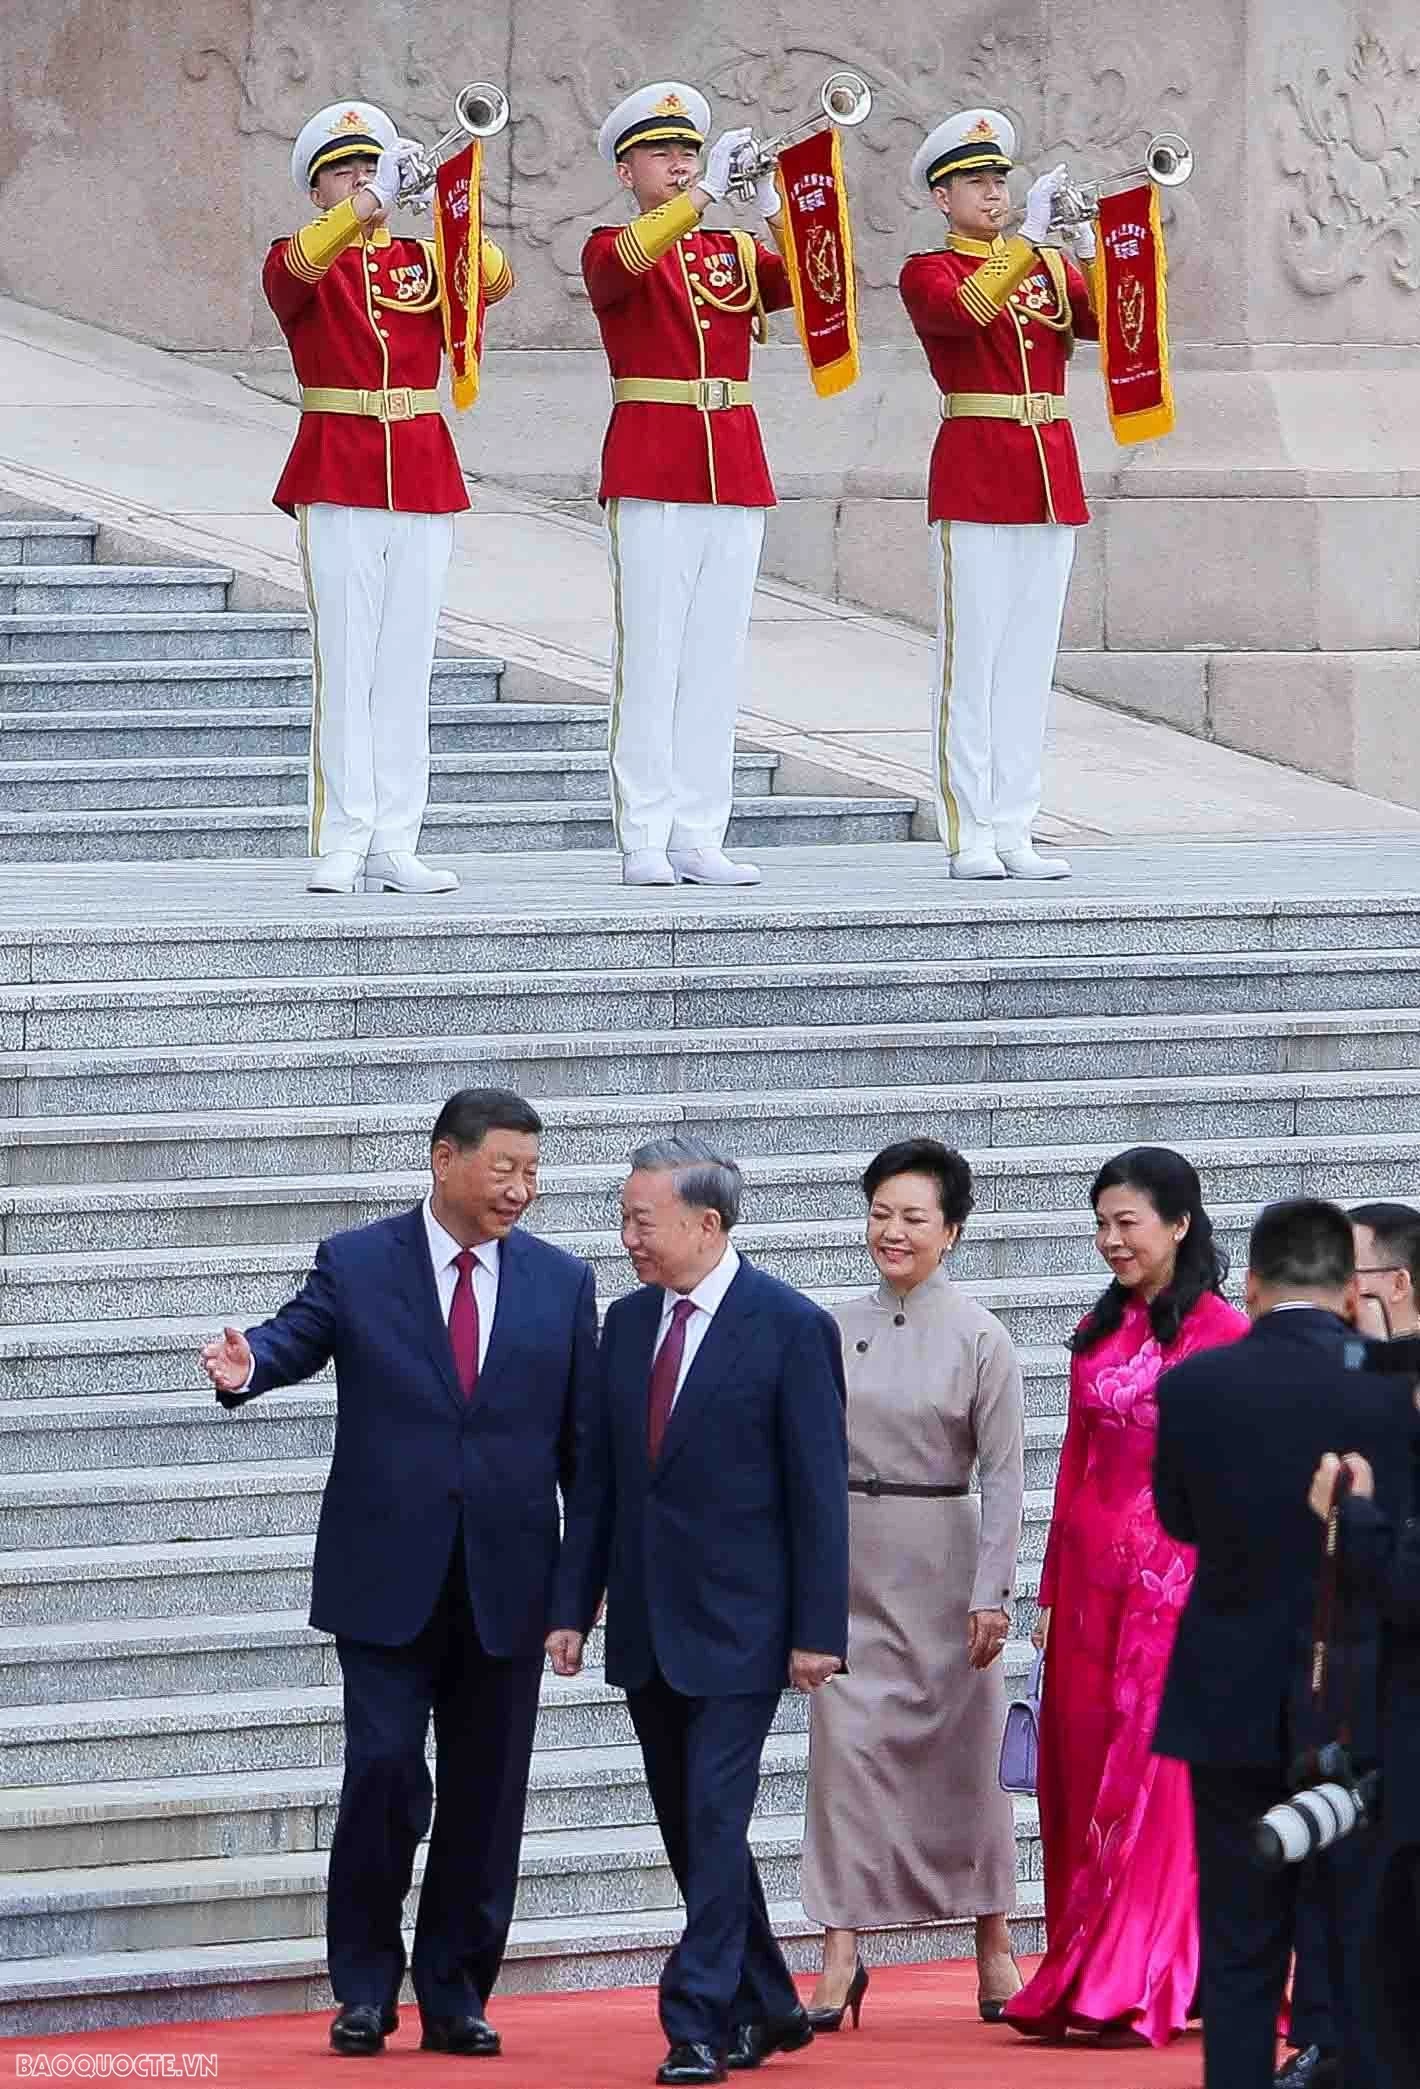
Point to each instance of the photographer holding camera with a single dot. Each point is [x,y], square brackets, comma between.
[1241,1432]
[1380,1561]
[1387,1237]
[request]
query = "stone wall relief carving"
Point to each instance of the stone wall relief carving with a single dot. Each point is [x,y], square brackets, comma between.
[1348,143]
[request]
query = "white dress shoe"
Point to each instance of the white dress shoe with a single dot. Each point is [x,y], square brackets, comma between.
[340,871]
[711,867]
[647,867]
[977,863]
[1025,863]
[399,870]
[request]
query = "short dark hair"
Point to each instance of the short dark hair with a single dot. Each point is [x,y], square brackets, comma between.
[1397,1232]
[947,1168]
[472,1113]
[1305,1242]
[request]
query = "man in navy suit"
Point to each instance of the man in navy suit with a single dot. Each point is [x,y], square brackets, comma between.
[1241,1431]
[715,1517]
[465,1362]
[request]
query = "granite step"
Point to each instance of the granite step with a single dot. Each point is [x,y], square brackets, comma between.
[510,776]
[133,1014]
[257,1730]
[221,835]
[564,1873]
[222,1577]
[155,737]
[145,634]
[245,1281]
[194,1983]
[174,1819]
[26,541]
[283,932]
[1324,1125]
[37,690]
[228,1211]
[202,1505]
[321,1074]
[37,590]
[107,1433]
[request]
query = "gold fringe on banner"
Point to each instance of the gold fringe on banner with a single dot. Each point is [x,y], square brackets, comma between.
[1148,422]
[842,370]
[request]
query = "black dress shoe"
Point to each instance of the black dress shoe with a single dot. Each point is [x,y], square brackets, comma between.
[361,2029]
[691,2063]
[470,2035]
[781,2034]
[1310,2068]
[851,2005]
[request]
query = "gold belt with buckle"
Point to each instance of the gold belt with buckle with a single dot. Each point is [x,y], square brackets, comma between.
[709,394]
[399,403]
[1030,409]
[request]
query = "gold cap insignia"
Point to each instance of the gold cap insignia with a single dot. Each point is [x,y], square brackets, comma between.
[672,105]
[352,120]
[981,130]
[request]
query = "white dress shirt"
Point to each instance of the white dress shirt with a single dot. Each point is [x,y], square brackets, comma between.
[444,1251]
[707,1298]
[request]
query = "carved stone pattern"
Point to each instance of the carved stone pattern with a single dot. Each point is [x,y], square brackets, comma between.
[1348,143]
[547,188]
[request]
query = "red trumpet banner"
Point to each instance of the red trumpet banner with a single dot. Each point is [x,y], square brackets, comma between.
[816,240]
[458,235]
[1131,298]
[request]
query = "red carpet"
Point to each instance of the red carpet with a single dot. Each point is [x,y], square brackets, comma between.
[920,2031]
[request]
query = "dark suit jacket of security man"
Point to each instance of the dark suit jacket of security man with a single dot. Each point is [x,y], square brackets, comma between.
[434,1562]
[717,1562]
[1380,1562]
[1241,1432]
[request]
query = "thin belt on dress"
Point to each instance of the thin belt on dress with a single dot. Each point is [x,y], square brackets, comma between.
[874,1487]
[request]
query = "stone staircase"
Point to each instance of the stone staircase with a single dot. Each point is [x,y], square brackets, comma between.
[195,1094]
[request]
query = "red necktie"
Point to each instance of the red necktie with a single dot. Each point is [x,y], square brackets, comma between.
[664,1373]
[463,1324]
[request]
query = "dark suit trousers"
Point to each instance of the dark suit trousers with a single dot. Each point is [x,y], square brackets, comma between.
[702,1765]
[1247,1919]
[1313,2022]
[1397,1956]
[484,1713]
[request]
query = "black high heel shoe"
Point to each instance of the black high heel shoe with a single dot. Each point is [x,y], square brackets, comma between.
[992,2010]
[851,2005]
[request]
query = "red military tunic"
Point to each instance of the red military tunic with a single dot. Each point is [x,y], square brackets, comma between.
[1000,318]
[362,313]
[675,302]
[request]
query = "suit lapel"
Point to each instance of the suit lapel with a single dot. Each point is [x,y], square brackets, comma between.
[722,1341]
[423,1295]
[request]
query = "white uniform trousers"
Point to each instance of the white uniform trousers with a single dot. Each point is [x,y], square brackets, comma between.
[682,576]
[374,586]
[1001,591]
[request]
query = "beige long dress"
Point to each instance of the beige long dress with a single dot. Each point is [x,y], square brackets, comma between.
[906,1819]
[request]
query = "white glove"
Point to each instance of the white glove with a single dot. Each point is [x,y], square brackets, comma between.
[1039,200]
[411,165]
[384,183]
[720,162]
[766,196]
[1083,237]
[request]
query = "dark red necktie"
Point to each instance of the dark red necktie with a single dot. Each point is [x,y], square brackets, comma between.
[664,1373]
[463,1324]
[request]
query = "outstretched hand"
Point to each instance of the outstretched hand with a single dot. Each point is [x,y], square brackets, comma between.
[228,1360]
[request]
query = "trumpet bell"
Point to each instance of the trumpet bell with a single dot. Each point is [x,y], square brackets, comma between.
[846,99]
[1169,159]
[482,109]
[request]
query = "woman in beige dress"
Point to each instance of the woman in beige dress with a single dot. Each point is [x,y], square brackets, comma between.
[907,1822]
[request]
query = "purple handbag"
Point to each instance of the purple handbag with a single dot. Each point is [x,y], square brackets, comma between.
[1020,1743]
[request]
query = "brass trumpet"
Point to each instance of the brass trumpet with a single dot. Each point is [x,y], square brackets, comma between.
[845,100]
[1168,161]
[481,110]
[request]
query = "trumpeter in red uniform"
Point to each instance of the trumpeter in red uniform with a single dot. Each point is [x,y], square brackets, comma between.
[684,480]
[374,482]
[998,318]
